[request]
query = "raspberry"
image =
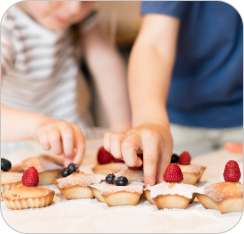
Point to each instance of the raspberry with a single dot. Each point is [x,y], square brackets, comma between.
[138,168]
[103,156]
[184,158]
[116,160]
[30,177]
[232,171]
[173,173]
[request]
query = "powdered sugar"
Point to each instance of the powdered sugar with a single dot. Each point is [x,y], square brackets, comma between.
[131,174]
[10,177]
[164,188]
[132,187]
[222,190]
[41,165]
[79,178]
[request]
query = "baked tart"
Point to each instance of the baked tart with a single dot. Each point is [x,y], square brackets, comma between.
[75,186]
[105,169]
[47,169]
[226,196]
[171,193]
[9,180]
[137,175]
[118,191]
[24,197]
[191,173]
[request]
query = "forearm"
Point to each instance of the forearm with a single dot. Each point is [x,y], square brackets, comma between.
[149,80]
[150,69]
[17,125]
[109,73]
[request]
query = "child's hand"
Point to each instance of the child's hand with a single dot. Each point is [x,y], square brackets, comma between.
[154,140]
[234,147]
[62,138]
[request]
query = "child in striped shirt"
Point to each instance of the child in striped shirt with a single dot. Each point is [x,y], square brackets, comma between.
[41,81]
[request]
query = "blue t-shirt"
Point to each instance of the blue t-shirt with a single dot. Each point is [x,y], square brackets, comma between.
[207,84]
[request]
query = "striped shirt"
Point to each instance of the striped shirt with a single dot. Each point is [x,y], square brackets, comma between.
[40,72]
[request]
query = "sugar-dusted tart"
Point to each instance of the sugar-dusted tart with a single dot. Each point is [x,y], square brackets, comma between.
[105,169]
[223,196]
[47,170]
[75,186]
[10,180]
[192,173]
[170,195]
[137,175]
[114,195]
[24,197]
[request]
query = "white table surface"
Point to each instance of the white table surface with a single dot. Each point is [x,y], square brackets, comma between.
[86,215]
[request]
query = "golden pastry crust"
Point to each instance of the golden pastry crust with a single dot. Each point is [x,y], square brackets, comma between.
[9,180]
[191,173]
[118,195]
[223,196]
[24,197]
[105,169]
[75,186]
[131,174]
[170,195]
[47,170]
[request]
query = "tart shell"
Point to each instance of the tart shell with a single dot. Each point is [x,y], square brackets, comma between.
[76,192]
[171,201]
[97,194]
[105,169]
[30,202]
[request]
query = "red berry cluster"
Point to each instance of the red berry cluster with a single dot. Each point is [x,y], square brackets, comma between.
[232,171]
[104,157]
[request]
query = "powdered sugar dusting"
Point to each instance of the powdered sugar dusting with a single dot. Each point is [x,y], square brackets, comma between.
[79,178]
[131,174]
[196,169]
[41,165]
[164,188]
[132,187]
[222,190]
[10,177]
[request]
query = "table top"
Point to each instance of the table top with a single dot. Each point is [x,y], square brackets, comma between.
[89,215]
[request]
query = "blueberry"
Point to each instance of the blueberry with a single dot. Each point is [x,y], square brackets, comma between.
[5,164]
[174,158]
[65,172]
[110,178]
[72,168]
[121,181]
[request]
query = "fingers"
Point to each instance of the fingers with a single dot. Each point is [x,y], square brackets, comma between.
[54,138]
[151,150]
[80,146]
[113,142]
[129,148]
[67,135]
[163,162]
[42,137]
[234,147]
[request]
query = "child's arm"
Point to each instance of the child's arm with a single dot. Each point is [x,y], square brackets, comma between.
[109,73]
[59,136]
[150,68]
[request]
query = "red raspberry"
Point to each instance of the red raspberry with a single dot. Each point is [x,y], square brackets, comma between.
[185,158]
[103,156]
[232,171]
[116,160]
[173,173]
[138,168]
[30,177]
